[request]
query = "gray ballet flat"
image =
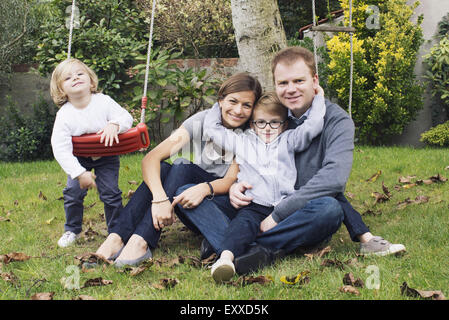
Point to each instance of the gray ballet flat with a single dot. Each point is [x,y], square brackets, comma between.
[134,262]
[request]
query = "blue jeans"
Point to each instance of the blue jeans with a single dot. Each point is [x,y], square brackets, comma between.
[352,219]
[107,172]
[136,217]
[244,228]
[309,226]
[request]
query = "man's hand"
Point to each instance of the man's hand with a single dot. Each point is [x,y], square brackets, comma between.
[109,134]
[267,224]
[163,214]
[237,196]
[87,180]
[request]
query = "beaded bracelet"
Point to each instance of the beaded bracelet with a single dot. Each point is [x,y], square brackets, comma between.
[212,194]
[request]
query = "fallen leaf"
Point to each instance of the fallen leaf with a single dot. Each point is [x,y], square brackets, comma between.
[379,197]
[432,294]
[43,296]
[374,176]
[318,253]
[406,202]
[90,234]
[438,178]
[407,179]
[447,168]
[166,283]
[90,206]
[350,195]
[372,213]
[349,289]
[133,182]
[91,257]
[408,186]
[42,196]
[141,268]
[209,261]
[385,190]
[9,277]
[13,256]
[96,282]
[300,278]
[247,280]
[16,202]
[49,221]
[332,263]
[5,219]
[349,280]
[84,297]
[426,181]
[130,194]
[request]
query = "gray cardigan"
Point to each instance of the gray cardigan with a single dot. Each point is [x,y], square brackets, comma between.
[324,167]
[268,167]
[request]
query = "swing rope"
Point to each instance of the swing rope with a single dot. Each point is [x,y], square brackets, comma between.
[147,69]
[72,16]
[341,29]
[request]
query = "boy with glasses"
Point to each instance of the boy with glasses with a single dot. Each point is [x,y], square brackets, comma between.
[266,157]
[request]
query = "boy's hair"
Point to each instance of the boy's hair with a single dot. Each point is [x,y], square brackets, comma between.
[271,104]
[240,82]
[56,92]
[292,54]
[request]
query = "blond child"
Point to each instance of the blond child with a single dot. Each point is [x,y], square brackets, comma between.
[266,157]
[84,110]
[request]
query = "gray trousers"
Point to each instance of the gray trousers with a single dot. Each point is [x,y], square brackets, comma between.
[107,171]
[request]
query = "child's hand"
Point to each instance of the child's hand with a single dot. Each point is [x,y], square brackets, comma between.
[319,91]
[267,224]
[109,134]
[87,180]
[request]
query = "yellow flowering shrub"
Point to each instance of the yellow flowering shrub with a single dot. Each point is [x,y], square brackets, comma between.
[386,95]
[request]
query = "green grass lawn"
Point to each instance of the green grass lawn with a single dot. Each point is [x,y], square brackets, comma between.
[32,219]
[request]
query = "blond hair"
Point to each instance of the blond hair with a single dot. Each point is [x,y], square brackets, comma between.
[271,104]
[57,93]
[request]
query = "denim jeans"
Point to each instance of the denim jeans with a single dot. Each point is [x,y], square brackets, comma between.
[136,217]
[244,228]
[309,226]
[352,219]
[107,172]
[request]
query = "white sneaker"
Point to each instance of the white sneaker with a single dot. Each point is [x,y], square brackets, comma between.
[378,246]
[222,270]
[67,239]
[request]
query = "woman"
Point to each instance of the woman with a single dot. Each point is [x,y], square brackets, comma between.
[136,229]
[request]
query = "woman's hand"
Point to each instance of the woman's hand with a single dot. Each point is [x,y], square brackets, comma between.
[109,134]
[192,197]
[163,214]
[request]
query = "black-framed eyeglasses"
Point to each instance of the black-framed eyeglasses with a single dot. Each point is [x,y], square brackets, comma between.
[274,124]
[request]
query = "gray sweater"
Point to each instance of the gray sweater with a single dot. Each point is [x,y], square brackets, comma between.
[324,167]
[268,167]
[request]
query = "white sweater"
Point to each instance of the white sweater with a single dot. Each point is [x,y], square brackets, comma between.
[71,121]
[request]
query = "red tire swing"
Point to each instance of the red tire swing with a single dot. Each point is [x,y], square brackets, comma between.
[88,145]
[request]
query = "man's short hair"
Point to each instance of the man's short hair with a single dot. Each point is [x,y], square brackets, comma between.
[290,55]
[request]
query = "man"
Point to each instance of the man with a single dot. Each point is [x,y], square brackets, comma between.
[310,216]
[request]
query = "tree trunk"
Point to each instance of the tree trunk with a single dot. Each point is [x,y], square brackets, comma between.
[259,34]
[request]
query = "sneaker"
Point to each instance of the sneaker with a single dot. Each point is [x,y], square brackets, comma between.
[257,257]
[380,247]
[206,249]
[67,239]
[222,270]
